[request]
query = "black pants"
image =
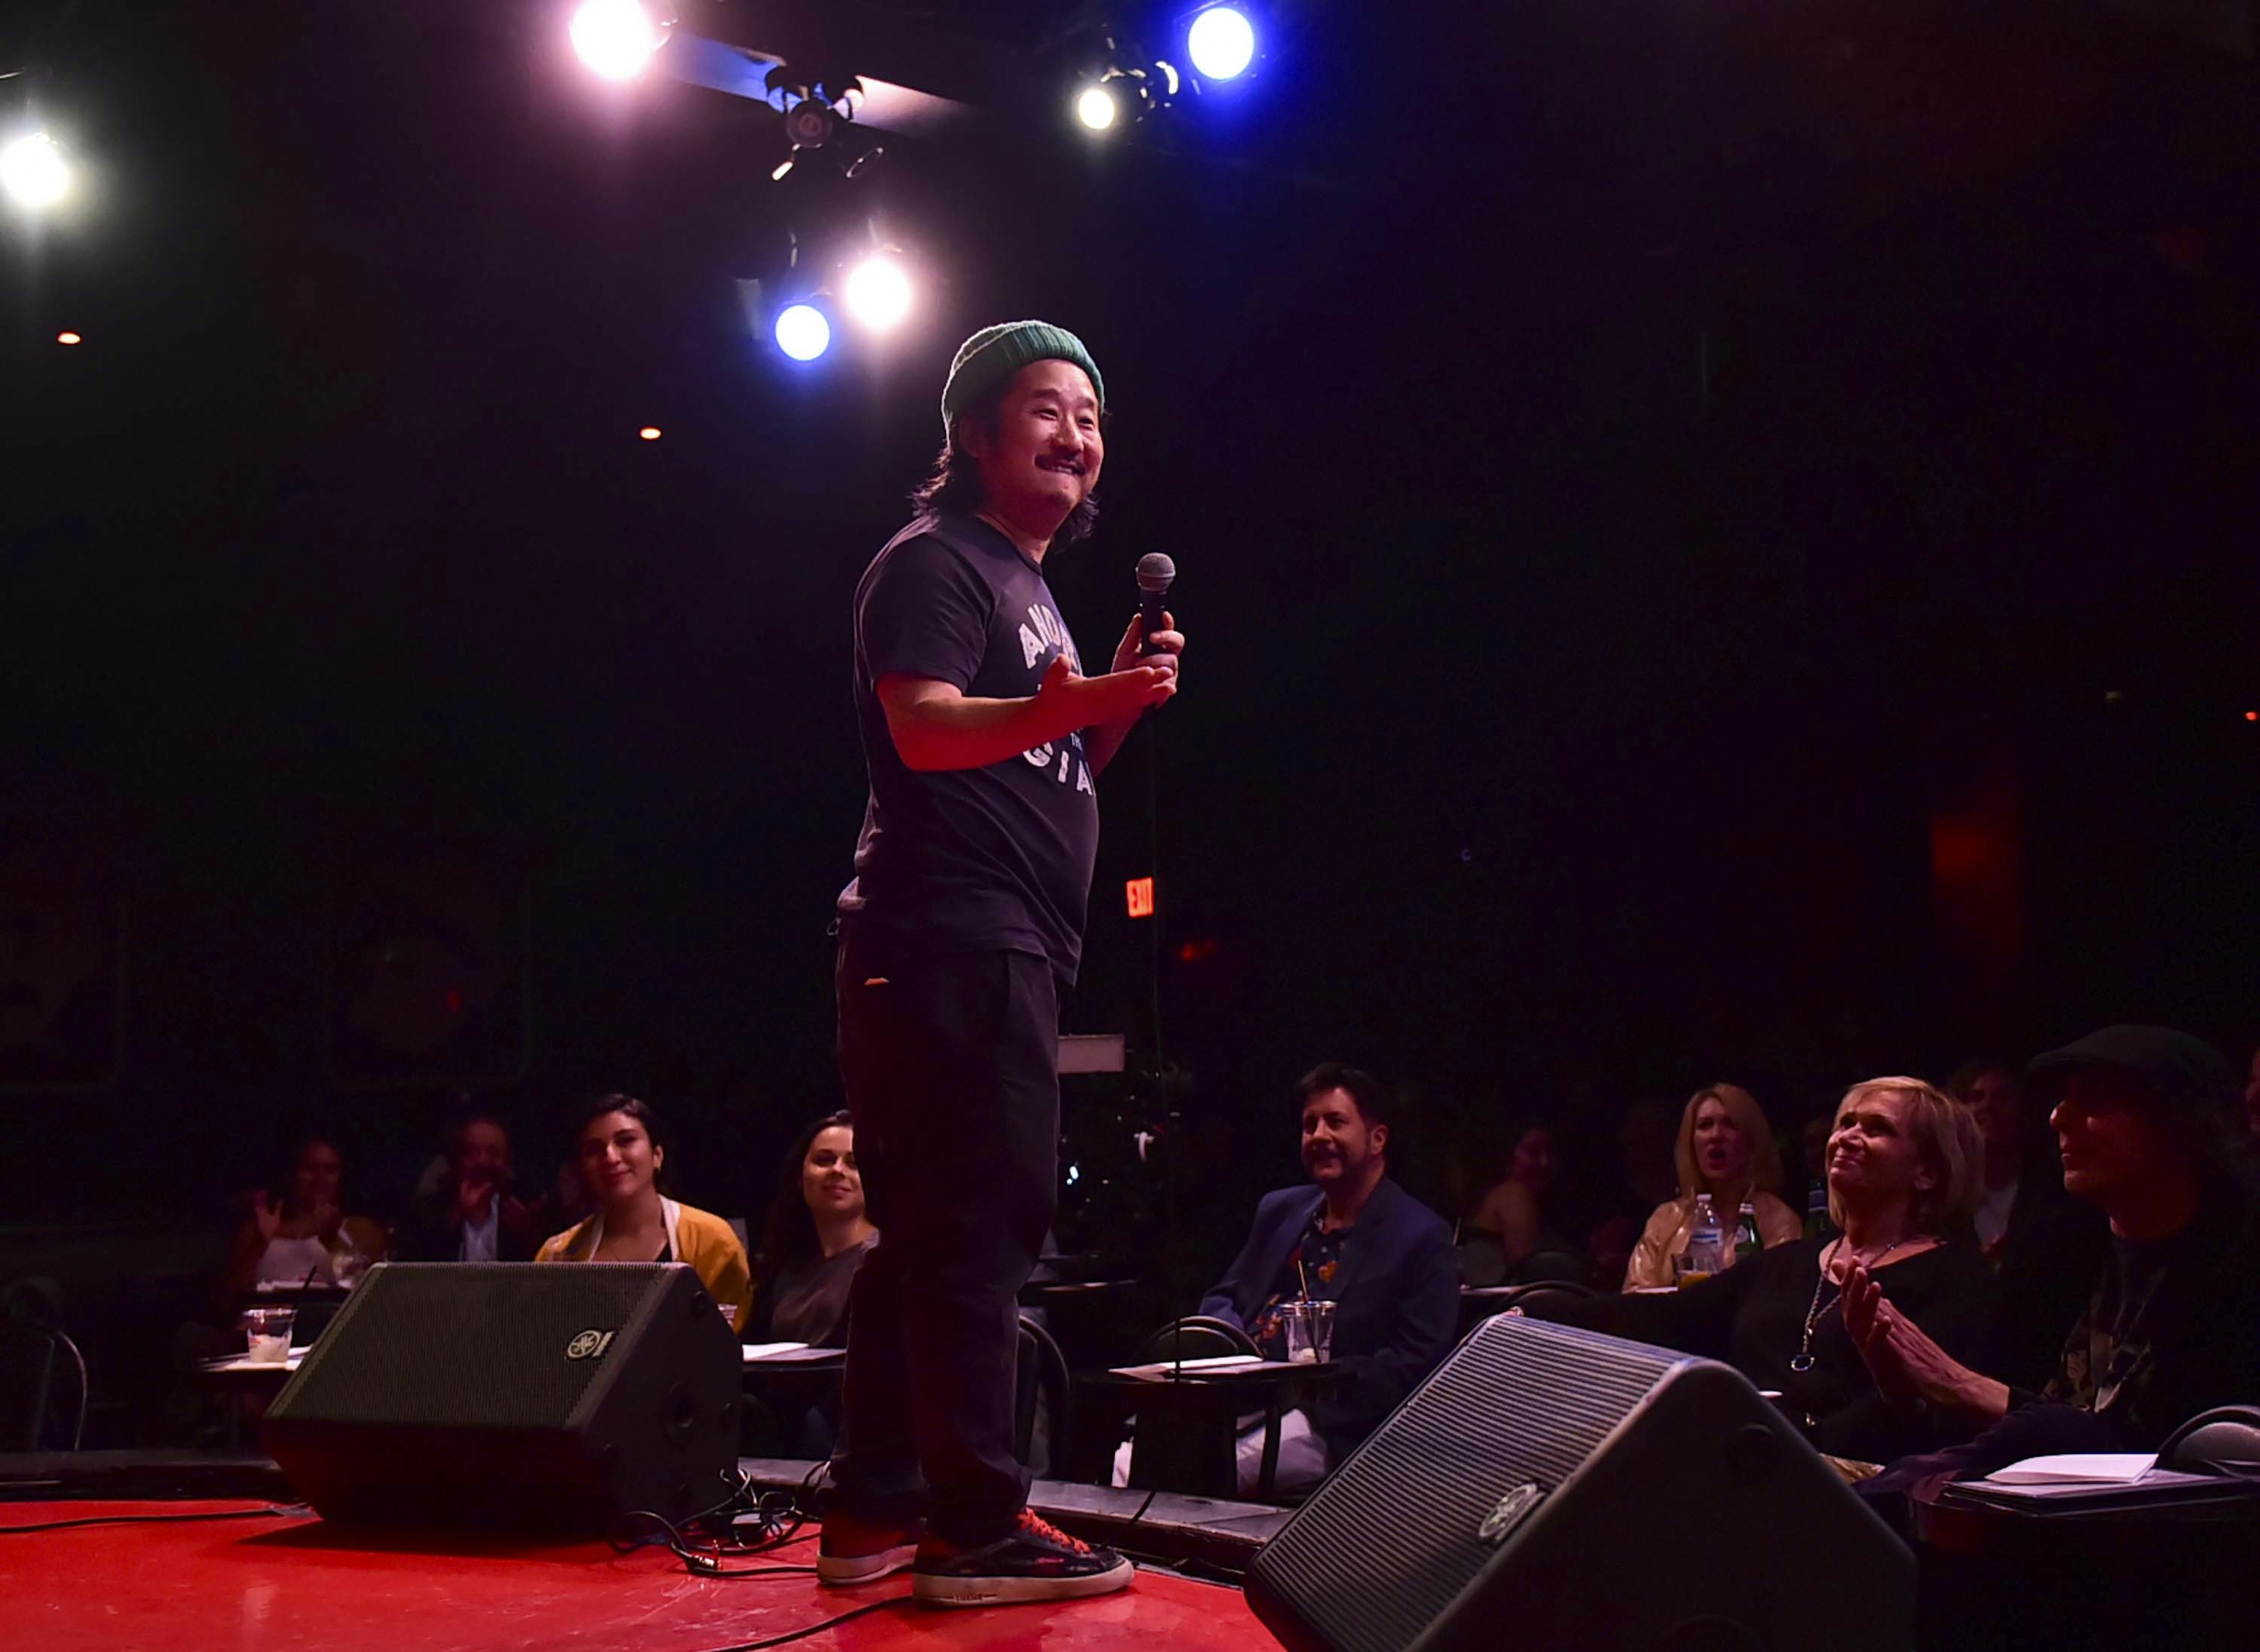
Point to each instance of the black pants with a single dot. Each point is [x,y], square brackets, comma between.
[952,1069]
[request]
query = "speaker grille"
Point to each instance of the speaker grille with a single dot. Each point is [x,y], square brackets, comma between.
[1395,1536]
[468,1345]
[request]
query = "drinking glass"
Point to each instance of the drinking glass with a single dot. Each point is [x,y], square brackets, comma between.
[1310,1332]
[267,1331]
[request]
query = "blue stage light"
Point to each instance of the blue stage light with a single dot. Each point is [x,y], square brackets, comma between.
[802,332]
[1221,43]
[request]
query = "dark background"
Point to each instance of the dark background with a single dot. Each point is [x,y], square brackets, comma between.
[1717,542]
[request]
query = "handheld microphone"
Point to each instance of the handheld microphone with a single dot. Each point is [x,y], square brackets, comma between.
[1156,572]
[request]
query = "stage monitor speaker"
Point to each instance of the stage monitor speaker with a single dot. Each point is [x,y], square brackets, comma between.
[1551,1489]
[554,1398]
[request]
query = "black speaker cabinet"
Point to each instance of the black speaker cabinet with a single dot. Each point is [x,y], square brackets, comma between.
[1558,1491]
[554,1398]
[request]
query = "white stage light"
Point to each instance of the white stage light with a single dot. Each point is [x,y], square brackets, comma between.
[878,292]
[616,37]
[1221,43]
[34,172]
[801,333]
[1095,108]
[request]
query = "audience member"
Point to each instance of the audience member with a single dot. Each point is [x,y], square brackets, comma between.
[1355,1238]
[623,1152]
[303,1235]
[2144,1119]
[1725,1149]
[817,1235]
[1645,1179]
[1996,1100]
[2044,1244]
[1903,1177]
[473,1215]
[2252,1094]
[1520,1210]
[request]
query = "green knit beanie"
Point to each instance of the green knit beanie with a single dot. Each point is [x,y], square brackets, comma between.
[995,353]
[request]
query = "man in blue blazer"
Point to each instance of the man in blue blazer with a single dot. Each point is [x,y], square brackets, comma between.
[1358,1240]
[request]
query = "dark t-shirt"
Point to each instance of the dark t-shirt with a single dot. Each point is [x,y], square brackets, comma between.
[968,860]
[807,1301]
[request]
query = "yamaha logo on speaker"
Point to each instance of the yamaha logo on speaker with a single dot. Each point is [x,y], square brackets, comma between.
[1509,1511]
[590,1345]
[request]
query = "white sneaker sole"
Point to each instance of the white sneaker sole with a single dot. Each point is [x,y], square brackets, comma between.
[1006,1592]
[838,1571]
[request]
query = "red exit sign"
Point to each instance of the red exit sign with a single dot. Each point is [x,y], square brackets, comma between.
[1140,893]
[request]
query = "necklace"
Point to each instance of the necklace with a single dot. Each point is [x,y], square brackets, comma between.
[1801,1362]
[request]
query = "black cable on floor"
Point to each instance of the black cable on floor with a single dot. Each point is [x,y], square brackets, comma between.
[271,1512]
[888,1605]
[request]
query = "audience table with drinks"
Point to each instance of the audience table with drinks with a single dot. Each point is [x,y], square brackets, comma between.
[1189,1413]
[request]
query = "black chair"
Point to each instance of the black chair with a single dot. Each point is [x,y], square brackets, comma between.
[1482,1262]
[1567,1266]
[40,1372]
[2225,1441]
[1040,1388]
[1197,1336]
[1474,1310]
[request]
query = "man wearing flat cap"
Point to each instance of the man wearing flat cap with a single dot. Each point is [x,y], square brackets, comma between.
[984,740]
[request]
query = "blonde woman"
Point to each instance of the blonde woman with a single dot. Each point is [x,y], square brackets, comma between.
[1725,1150]
[1904,1171]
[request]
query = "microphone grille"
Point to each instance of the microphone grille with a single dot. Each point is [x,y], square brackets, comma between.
[1155,572]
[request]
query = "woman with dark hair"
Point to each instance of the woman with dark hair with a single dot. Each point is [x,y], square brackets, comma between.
[303,1234]
[622,1152]
[1518,1211]
[816,1237]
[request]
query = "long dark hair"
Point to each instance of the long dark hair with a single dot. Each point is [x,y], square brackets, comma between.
[954,484]
[788,1234]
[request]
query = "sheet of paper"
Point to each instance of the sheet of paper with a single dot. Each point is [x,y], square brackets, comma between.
[1217,1363]
[2088,1468]
[770,1350]
[2161,1482]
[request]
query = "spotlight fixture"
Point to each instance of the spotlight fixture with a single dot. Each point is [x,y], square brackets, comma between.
[35,171]
[802,332]
[877,292]
[69,338]
[1127,90]
[1095,108]
[617,38]
[649,432]
[1221,43]
[818,111]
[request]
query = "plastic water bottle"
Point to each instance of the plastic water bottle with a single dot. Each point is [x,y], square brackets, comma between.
[1746,1242]
[1707,1244]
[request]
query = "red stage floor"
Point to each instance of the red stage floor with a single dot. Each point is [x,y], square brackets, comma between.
[280,1585]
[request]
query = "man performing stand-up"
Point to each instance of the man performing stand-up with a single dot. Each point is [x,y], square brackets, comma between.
[983,740]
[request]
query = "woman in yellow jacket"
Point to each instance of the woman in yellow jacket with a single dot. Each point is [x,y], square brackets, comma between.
[621,1155]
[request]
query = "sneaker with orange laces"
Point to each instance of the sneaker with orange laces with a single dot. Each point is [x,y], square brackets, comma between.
[1035,1561]
[854,1550]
